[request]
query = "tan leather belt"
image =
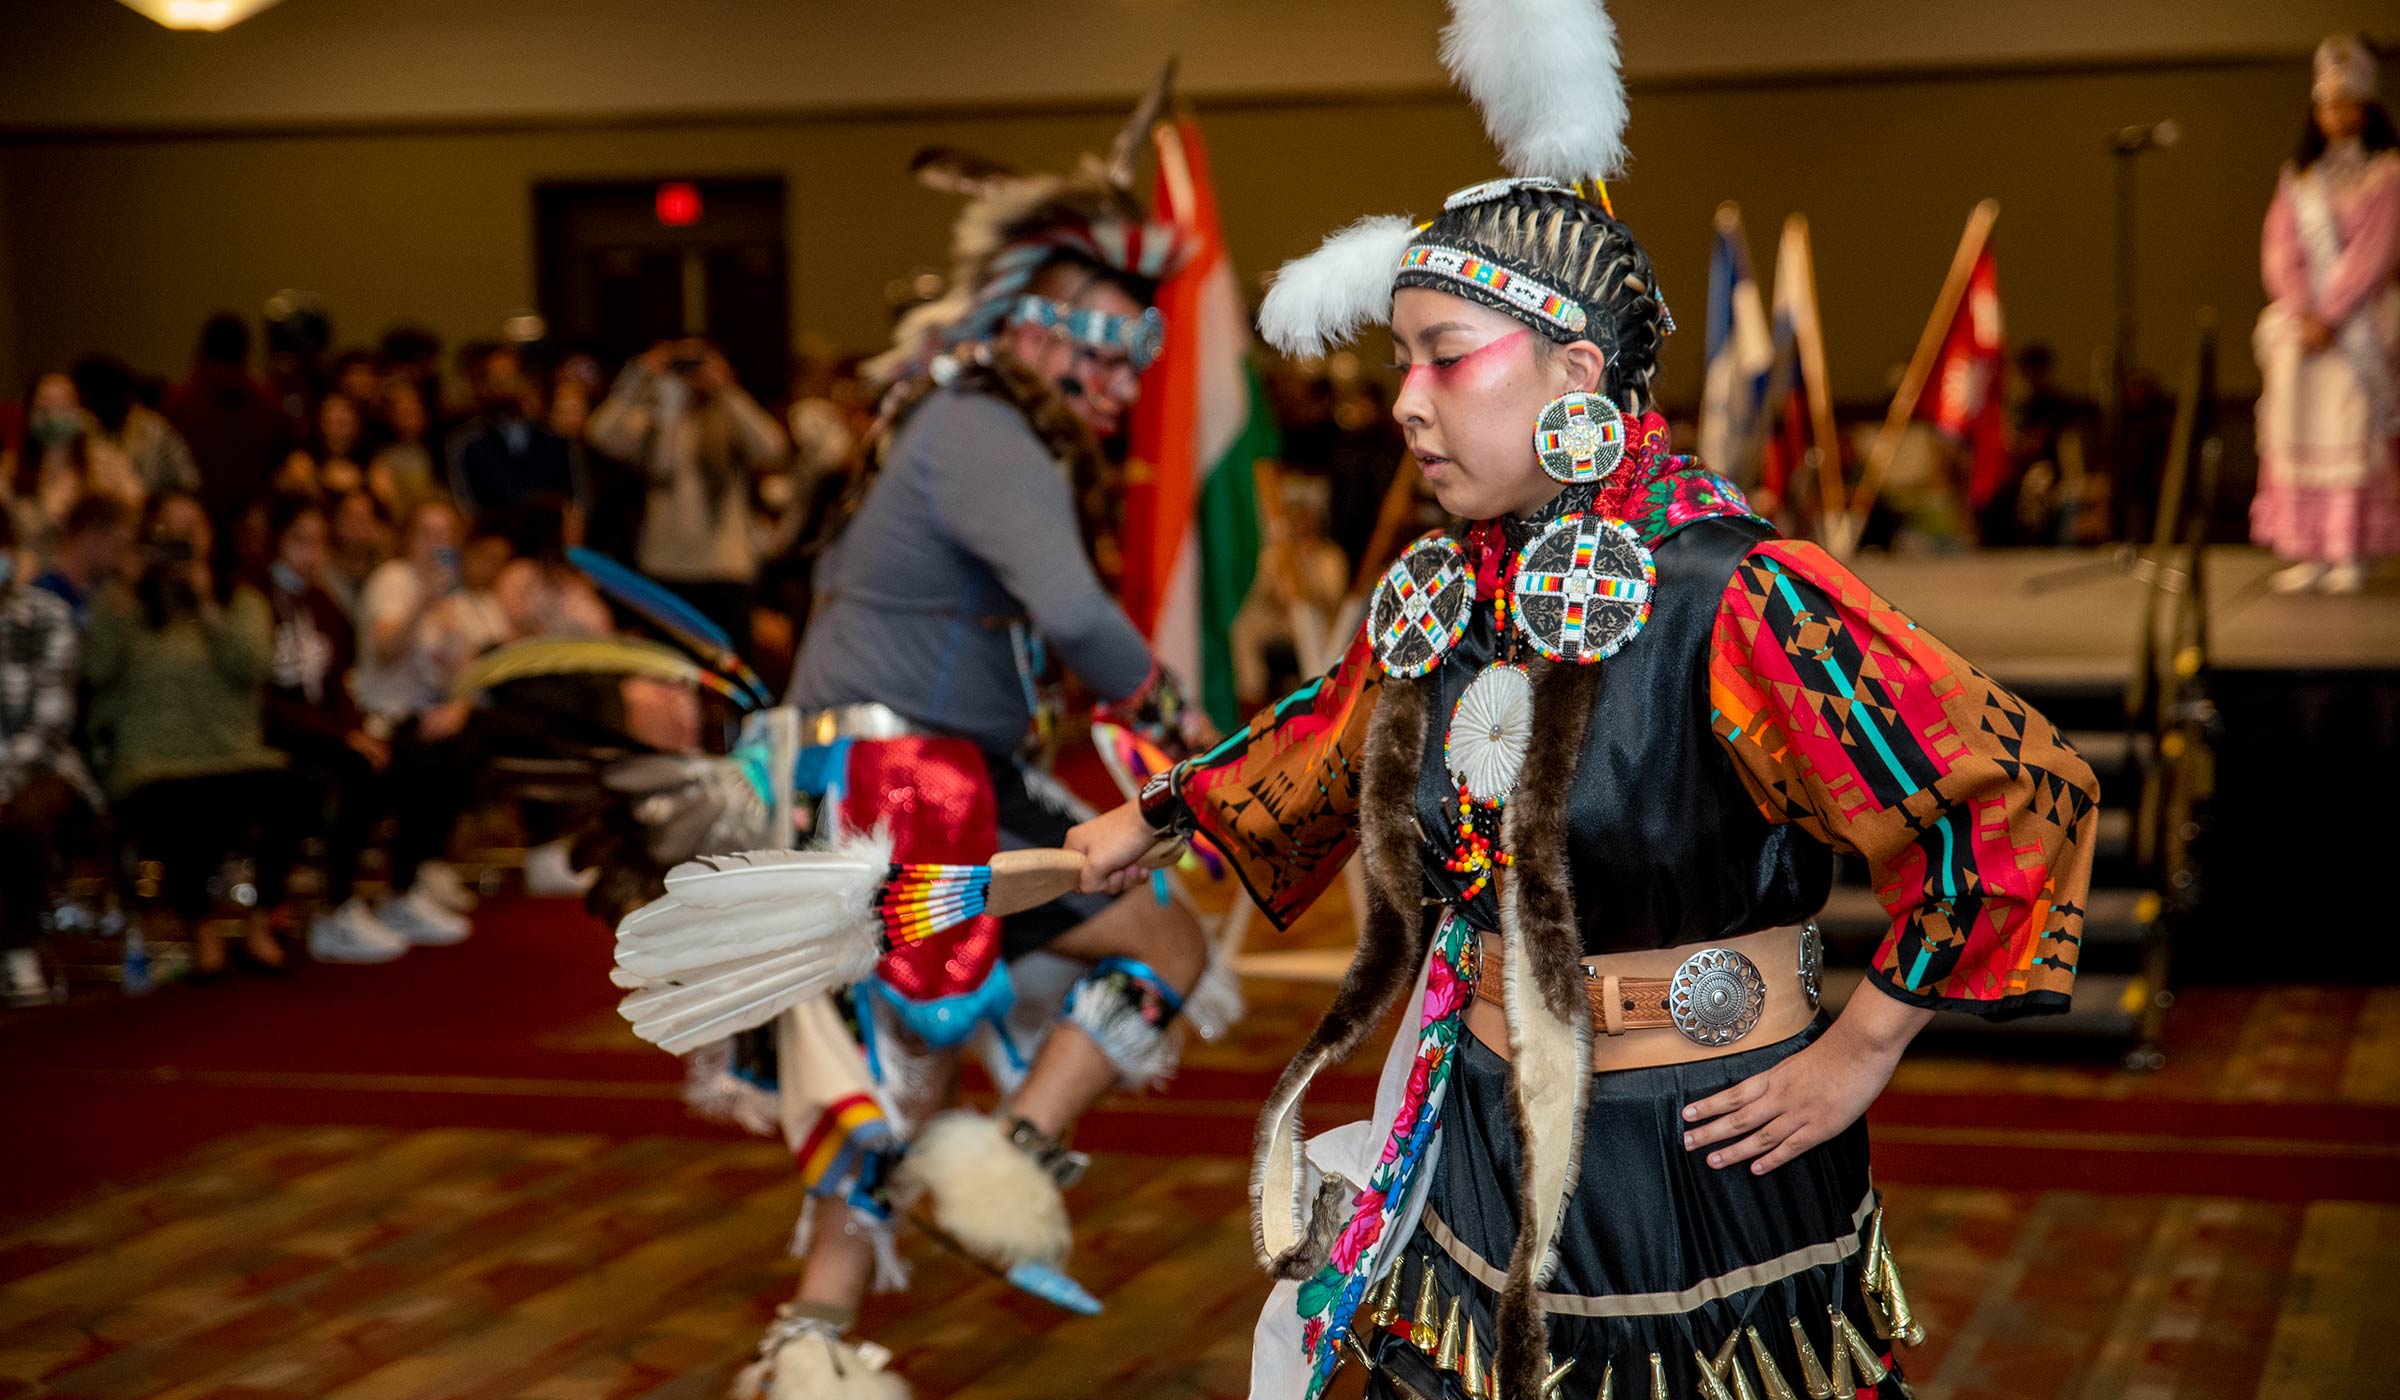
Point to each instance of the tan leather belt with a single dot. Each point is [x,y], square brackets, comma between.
[1671,1006]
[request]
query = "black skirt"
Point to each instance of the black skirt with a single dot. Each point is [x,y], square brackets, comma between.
[1659,1253]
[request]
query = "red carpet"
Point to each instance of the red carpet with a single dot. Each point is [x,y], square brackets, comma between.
[515,1029]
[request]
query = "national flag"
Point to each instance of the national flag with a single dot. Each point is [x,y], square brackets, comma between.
[1962,399]
[1804,413]
[1741,353]
[1191,511]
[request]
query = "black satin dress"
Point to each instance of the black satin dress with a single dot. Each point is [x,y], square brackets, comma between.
[1659,1253]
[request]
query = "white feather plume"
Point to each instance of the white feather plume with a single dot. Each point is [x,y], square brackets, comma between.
[738,939]
[1321,300]
[1544,74]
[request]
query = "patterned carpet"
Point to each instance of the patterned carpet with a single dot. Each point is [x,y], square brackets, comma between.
[456,1177]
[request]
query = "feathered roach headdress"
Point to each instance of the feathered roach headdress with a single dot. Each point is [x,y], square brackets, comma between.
[1015,223]
[1543,245]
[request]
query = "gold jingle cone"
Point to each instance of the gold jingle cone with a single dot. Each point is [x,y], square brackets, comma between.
[1608,1380]
[1906,1330]
[1421,1333]
[1845,1383]
[1386,1299]
[1711,1388]
[1557,1378]
[1470,1366]
[1812,1372]
[1658,1378]
[1871,1369]
[1770,1376]
[1445,1356]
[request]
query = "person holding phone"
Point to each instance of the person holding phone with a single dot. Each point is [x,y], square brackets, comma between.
[178,666]
[700,439]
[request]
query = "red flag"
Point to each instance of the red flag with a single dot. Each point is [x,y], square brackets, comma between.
[1963,398]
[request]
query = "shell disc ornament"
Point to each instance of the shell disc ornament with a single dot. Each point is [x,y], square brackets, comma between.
[1490,731]
[1421,606]
[1580,438]
[1583,588]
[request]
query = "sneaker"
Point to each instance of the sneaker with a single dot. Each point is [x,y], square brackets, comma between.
[26,983]
[439,880]
[549,874]
[2344,578]
[352,934]
[420,918]
[2298,578]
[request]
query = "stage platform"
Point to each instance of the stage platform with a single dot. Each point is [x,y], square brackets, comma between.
[2068,617]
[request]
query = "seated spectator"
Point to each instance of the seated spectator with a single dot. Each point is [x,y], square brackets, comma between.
[178,666]
[433,765]
[504,456]
[362,541]
[401,476]
[48,801]
[354,375]
[94,544]
[62,460]
[313,718]
[231,420]
[678,412]
[333,463]
[540,593]
[162,460]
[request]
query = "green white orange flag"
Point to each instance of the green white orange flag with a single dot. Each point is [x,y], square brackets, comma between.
[1191,511]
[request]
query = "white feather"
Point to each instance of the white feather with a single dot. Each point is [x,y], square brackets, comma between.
[1544,74]
[679,1019]
[1321,300]
[738,939]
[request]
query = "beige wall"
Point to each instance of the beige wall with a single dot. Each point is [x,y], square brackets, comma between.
[309,61]
[128,242]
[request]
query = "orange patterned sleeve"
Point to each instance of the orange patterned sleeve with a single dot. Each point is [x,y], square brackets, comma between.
[1975,816]
[1280,798]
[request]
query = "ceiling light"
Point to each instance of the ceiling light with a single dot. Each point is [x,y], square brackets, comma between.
[197,14]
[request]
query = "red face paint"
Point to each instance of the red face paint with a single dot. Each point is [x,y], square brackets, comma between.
[1476,361]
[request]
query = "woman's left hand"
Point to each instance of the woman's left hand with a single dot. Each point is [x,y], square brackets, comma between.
[1779,1113]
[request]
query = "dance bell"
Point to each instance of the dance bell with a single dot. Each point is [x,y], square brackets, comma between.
[1812,1371]
[1770,1376]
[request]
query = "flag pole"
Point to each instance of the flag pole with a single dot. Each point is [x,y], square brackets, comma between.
[1843,530]
[1812,368]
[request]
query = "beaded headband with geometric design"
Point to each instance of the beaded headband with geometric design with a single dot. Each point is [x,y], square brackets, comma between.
[1431,264]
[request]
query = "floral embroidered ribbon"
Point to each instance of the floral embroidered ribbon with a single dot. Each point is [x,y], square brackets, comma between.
[1330,1298]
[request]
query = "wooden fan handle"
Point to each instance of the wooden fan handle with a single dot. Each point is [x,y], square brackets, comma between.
[1023,880]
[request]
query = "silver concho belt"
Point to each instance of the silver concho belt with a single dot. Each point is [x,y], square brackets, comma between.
[1718,995]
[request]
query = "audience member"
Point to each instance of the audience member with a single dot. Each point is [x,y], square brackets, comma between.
[48,801]
[94,542]
[333,462]
[362,541]
[178,666]
[503,456]
[61,461]
[313,717]
[402,475]
[236,430]
[161,459]
[700,438]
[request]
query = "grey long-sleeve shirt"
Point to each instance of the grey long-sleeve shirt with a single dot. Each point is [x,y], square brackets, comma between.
[969,525]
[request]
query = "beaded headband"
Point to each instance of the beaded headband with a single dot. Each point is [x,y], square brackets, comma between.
[1140,338]
[1433,265]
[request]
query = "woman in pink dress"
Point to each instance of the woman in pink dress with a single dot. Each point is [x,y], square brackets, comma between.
[2328,343]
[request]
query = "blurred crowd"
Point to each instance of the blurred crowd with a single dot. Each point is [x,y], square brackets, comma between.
[232,609]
